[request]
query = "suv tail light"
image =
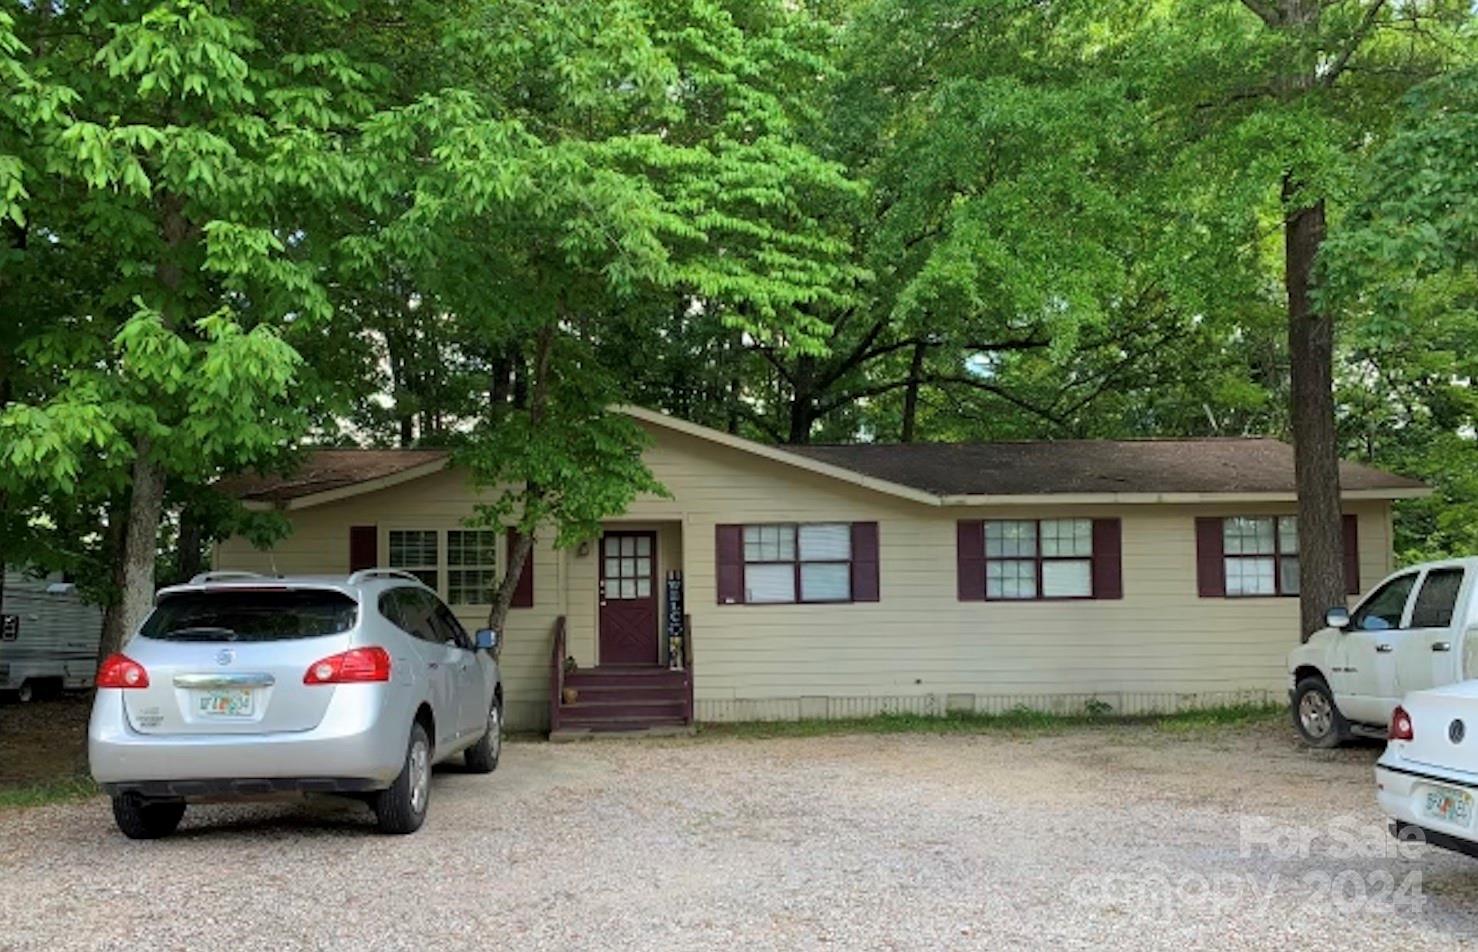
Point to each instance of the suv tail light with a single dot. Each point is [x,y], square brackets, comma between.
[121,671]
[1400,725]
[354,665]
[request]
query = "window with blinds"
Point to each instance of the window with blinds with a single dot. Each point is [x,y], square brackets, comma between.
[811,562]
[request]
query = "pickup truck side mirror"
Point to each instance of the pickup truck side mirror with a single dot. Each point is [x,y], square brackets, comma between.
[1337,617]
[487,640]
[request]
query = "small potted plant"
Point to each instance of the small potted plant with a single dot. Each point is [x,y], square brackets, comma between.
[570,695]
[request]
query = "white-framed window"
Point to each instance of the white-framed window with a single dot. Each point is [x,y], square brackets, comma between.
[1029,559]
[472,566]
[416,551]
[1260,555]
[789,562]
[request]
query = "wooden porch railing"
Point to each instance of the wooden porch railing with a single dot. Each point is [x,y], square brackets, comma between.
[557,674]
[688,668]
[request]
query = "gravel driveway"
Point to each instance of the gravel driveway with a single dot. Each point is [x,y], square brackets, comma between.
[1123,836]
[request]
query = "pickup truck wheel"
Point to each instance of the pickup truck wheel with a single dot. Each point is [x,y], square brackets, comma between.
[1315,715]
[141,819]
[482,757]
[402,807]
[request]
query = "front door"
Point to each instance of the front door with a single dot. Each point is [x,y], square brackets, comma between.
[628,598]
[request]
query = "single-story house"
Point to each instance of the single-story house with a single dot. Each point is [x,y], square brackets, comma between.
[849,580]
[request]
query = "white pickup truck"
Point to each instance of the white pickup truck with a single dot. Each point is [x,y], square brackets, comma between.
[1417,629]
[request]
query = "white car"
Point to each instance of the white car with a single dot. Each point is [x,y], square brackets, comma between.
[1408,634]
[1427,780]
[240,686]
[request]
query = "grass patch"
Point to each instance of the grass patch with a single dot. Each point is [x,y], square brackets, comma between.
[1016,720]
[42,792]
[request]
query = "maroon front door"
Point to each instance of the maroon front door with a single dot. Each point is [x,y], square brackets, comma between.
[628,598]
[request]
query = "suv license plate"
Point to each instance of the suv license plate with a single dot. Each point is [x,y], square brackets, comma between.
[233,702]
[1451,806]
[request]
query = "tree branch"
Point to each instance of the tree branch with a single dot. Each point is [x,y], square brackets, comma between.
[1361,32]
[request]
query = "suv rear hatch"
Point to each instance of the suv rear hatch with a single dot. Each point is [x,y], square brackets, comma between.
[231,659]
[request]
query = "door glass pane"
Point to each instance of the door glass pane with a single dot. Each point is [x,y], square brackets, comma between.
[643,588]
[644,568]
[1437,598]
[1011,579]
[1383,610]
[826,542]
[1250,576]
[613,568]
[628,545]
[613,545]
[769,583]
[1067,579]
[826,582]
[643,545]
[628,588]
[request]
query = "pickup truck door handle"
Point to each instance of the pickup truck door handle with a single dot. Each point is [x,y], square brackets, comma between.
[1383,649]
[1441,646]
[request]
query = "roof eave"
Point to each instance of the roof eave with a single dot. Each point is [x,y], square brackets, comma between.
[1164,498]
[779,455]
[351,489]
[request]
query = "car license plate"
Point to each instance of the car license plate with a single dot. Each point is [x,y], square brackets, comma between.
[232,702]
[1452,806]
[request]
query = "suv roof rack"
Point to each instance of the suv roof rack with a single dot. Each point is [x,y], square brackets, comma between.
[205,577]
[362,574]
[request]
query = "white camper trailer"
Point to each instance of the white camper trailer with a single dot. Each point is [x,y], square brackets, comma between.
[48,637]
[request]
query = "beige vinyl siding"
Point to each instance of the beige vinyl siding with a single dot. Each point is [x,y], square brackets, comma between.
[918,648]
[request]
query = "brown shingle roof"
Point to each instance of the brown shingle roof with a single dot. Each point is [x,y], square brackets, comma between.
[1056,467]
[325,470]
[1215,465]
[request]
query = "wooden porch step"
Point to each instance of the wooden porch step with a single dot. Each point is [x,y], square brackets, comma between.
[632,677]
[612,724]
[631,692]
[607,710]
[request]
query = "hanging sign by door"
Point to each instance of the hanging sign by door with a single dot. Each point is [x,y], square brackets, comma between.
[674,615]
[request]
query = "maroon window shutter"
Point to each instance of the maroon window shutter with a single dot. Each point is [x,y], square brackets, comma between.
[865,562]
[1211,577]
[1108,559]
[523,593]
[729,557]
[970,559]
[364,547]
[1351,525]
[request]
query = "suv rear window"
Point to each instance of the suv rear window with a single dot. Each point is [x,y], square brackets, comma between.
[251,615]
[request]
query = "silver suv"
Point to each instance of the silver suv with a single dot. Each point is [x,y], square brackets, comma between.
[239,685]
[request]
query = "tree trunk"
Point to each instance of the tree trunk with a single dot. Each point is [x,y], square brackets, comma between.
[1321,568]
[538,400]
[188,560]
[135,567]
[911,395]
[521,552]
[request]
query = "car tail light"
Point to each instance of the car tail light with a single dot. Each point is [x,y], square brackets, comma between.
[121,671]
[354,665]
[1400,725]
